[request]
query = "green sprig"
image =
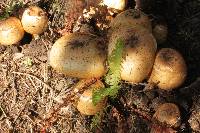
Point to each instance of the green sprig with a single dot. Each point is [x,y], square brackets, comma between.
[112,78]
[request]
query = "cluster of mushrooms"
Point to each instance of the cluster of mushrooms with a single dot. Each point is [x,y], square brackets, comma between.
[84,55]
[33,21]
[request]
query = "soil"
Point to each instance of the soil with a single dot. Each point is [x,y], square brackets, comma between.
[36,98]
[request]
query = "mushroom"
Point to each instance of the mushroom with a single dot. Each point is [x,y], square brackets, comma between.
[34,20]
[11,31]
[79,55]
[131,17]
[116,4]
[160,32]
[169,114]
[85,104]
[139,52]
[169,70]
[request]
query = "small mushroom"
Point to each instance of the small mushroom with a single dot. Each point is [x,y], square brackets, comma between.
[11,31]
[139,52]
[169,70]
[116,4]
[34,20]
[168,113]
[131,17]
[85,104]
[160,32]
[79,55]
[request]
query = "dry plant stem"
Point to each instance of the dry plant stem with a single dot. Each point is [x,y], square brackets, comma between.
[25,105]
[8,122]
[150,86]
[30,96]
[3,111]
[68,99]
[32,76]
[141,114]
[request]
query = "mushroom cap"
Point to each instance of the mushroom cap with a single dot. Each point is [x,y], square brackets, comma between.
[169,69]
[139,52]
[85,104]
[34,20]
[116,4]
[79,55]
[169,114]
[11,31]
[160,32]
[131,17]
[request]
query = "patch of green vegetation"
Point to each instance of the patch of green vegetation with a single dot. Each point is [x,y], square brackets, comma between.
[97,118]
[95,121]
[112,78]
[28,62]
[10,8]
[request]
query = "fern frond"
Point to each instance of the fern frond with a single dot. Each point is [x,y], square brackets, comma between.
[114,62]
[112,78]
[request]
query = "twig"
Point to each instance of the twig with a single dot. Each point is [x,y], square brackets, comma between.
[27,101]
[26,74]
[69,98]
[141,114]
[3,111]
[30,78]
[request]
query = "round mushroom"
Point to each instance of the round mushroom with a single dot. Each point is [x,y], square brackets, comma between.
[160,32]
[169,114]
[79,55]
[169,70]
[116,4]
[11,31]
[85,104]
[139,52]
[131,17]
[34,20]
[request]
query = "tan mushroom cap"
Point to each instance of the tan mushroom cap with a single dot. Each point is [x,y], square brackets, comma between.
[34,20]
[169,114]
[79,55]
[160,32]
[131,17]
[11,31]
[139,52]
[169,69]
[85,105]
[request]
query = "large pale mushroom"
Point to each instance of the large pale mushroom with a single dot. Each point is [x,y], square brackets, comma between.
[79,55]
[139,52]
[169,70]
[11,31]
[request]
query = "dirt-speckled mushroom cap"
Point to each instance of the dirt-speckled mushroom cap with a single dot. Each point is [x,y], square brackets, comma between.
[116,4]
[139,52]
[34,20]
[169,114]
[85,105]
[11,31]
[79,55]
[131,17]
[169,69]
